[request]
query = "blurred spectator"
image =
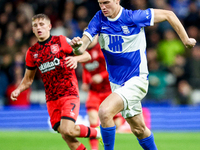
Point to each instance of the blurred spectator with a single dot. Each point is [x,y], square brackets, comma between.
[184,93]
[157,77]
[3,83]
[10,46]
[70,23]
[82,14]
[153,36]
[191,78]
[26,9]
[192,18]
[169,48]
[193,32]
[58,28]
[180,7]
[6,62]
[160,4]
[23,99]
[18,69]
[3,25]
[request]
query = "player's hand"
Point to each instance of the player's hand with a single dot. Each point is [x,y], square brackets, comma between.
[76,42]
[15,94]
[190,43]
[85,87]
[71,62]
[97,78]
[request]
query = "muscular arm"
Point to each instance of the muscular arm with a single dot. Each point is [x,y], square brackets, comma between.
[166,15]
[94,42]
[25,83]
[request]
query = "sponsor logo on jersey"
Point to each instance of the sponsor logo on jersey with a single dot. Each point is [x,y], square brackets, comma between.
[48,66]
[54,48]
[92,66]
[115,43]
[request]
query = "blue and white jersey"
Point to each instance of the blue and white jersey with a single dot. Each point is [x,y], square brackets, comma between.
[123,42]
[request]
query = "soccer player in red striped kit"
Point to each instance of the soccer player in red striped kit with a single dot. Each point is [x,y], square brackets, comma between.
[52,56]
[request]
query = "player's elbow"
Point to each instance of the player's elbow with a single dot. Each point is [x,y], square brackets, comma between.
[163,15]
[170,15]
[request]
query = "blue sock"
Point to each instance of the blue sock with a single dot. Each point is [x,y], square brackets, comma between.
[108,136]
[148,143]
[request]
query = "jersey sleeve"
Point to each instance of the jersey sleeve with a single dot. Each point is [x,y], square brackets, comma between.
[142,18]
[65,46]
[94,26]
[29,61]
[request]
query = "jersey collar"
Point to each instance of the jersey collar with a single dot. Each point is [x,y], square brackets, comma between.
[46,41]
[119,14]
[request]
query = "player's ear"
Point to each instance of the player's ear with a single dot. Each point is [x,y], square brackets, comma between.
[50,26]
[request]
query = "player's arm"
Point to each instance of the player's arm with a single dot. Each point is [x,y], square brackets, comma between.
[25,83]
[166,15]
[79,45]
[94,42]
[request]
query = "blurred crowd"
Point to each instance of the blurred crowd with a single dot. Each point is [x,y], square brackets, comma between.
[174,71]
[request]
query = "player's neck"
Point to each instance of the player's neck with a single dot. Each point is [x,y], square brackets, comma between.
[42,42]
[116,12]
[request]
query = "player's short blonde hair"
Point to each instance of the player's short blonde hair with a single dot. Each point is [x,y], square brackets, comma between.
[40,16]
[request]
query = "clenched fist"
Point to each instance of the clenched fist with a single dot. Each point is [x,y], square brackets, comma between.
[15,94]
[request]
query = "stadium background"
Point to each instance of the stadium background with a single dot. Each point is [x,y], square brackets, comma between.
[172,103]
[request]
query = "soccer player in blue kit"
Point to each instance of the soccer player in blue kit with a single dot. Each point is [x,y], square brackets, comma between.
[122,40]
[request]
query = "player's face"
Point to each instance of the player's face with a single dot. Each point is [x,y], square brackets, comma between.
[41,28]
[110,8]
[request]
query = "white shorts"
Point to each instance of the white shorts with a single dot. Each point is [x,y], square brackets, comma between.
[132,92]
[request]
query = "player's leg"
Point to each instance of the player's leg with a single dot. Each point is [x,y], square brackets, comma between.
[70,131]
[112,105]
[133,92]
[119,120]
[92,106]
[143,134]
[72,142]
[94,122]
[69,114]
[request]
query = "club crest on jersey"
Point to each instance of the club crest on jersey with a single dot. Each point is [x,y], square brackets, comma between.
[35,55]
[125,29]
[54,48]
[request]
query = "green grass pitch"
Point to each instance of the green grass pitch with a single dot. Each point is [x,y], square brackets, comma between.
[44,140]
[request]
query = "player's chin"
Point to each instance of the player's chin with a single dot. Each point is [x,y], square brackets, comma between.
[106,14]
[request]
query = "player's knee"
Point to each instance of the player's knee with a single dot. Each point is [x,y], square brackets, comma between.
[104,114]
[67,132]
[139,131]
